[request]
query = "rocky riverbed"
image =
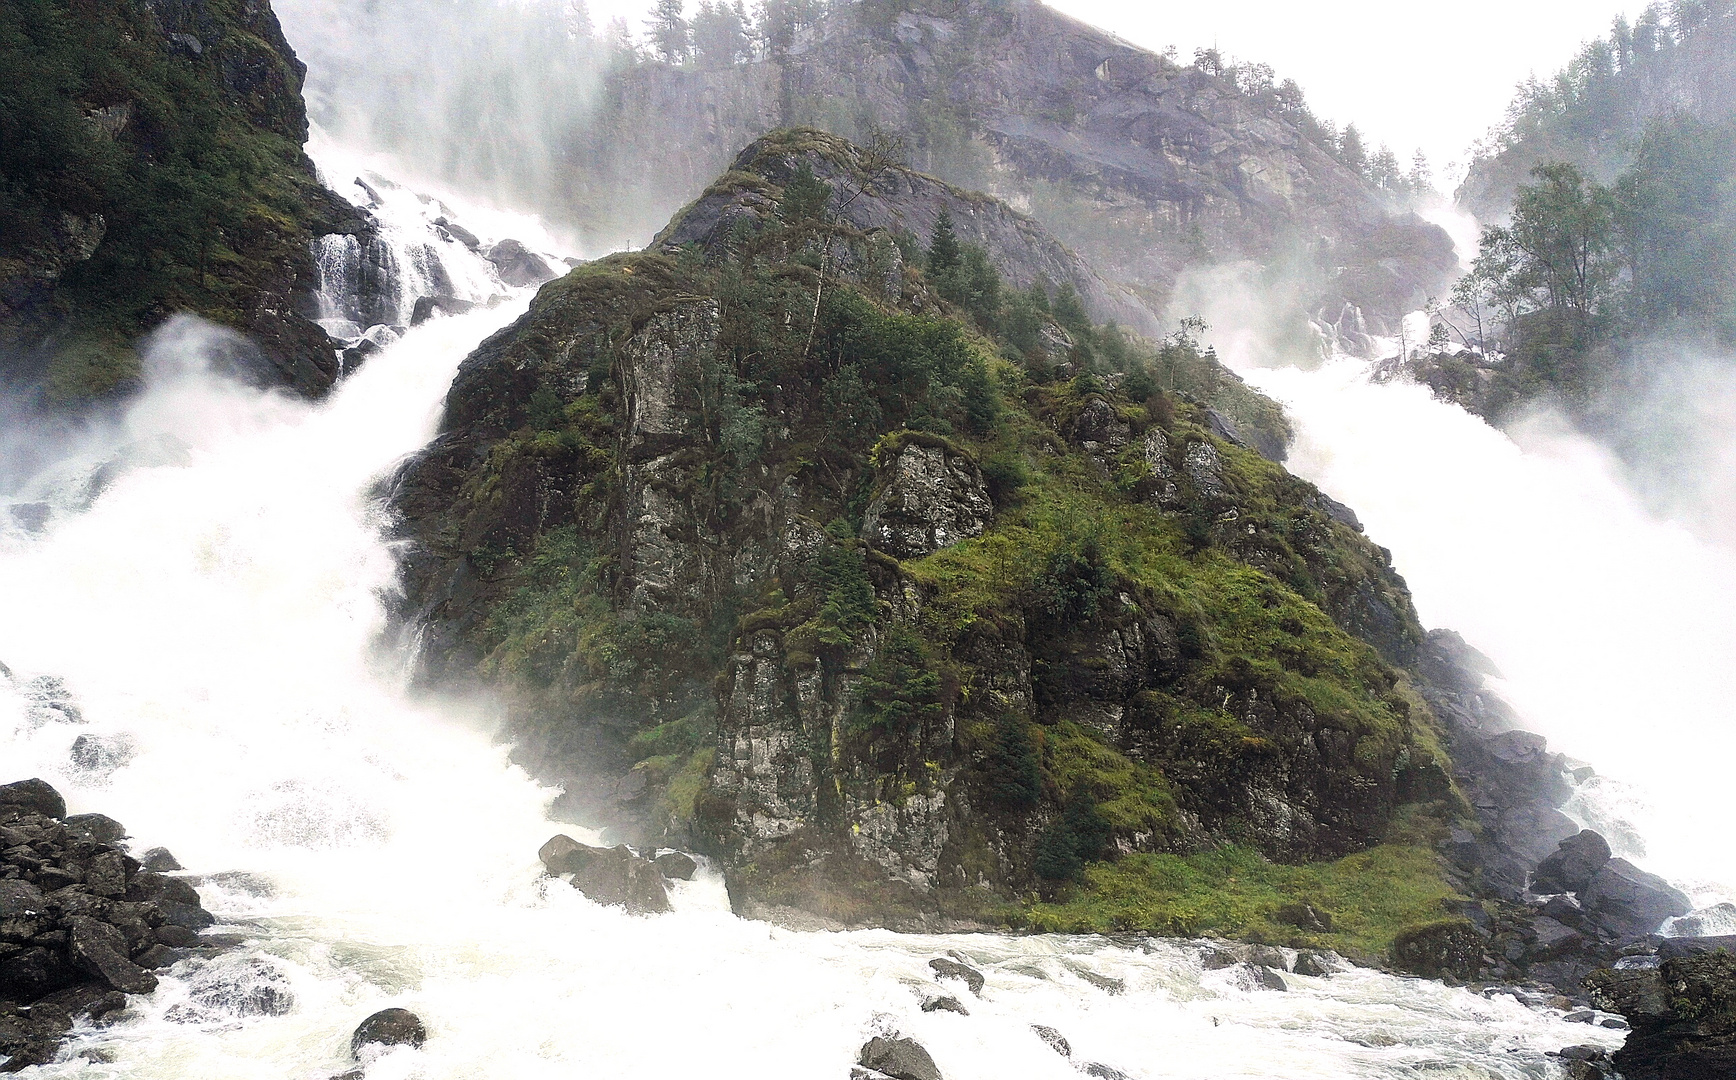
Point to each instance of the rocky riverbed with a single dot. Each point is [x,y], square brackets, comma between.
[83,924]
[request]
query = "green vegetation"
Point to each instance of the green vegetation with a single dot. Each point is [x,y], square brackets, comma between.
[1593,113]
[139,178]
[1159,632]
[1585,270]
[1233,892]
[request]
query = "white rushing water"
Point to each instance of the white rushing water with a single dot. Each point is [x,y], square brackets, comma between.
[205,620]
[1611,625]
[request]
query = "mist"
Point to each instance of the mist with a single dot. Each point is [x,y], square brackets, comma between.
[490,99]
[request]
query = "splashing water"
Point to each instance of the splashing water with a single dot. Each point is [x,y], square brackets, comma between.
[1610,625]
[212,621]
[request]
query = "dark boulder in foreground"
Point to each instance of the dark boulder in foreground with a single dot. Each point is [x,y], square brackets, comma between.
[901,1059]
[613,876]
[1683,1015]
[82,923]
[389,1027]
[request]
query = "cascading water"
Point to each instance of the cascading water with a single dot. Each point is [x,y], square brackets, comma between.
[192,649]
[1609,623]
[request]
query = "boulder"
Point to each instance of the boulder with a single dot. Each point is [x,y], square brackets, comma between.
[1057,1042]
[930,497]
[1553,939]
[518,266]
[99,949]
[101,754]
[1627,900]
[1573,866]
[952,969]
[159,860]
[945,1004]
[1319,963]
[389,1027]
[901,1059]
[613,876]
[675,865]
[459,233]
[1451,948]
[98,827]
[33,796]
[426,308]
[1102,1071]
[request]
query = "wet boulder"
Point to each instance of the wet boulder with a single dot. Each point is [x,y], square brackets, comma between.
[676,866]
[159,860]
[952,969]
[1683,1016]
[1448,949]
[518,266]
[613,876]
[34,797]
[929,497]
[1628,901]
[1055,1040]
[429,306]
[1573,866]
[99,949]
[389,1027]
[901,1059]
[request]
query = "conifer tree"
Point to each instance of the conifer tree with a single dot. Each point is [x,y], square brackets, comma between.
[668,30]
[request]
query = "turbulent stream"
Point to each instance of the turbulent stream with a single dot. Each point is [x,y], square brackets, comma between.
[192,642]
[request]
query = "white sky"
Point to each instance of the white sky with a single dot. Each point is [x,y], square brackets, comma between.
[1435,75]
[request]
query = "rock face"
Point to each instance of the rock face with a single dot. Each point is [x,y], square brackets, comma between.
[930,497]
[1143,166]
[699,519]
[613,876]
[91,258]
[1683,1014]
[81,923]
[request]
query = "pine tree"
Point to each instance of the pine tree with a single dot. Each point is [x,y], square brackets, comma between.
[944,254]
[668,31]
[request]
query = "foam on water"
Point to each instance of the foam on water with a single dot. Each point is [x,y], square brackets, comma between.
[215,616]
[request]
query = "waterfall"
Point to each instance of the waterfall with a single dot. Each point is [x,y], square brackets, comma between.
[206,622]
[1610,623]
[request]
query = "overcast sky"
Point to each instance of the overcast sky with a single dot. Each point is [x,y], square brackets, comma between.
[1430,75]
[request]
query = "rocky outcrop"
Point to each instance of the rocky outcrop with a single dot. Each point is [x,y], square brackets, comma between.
[715,520]
[930,497]
[1683,1012]
[82,924]
[92,256]
[612,876]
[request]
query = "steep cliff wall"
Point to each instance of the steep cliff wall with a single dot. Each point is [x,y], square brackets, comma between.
[772,552]
[1144,167]
[151,162]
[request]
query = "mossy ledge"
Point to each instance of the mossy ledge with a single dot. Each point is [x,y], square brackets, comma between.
[921,600]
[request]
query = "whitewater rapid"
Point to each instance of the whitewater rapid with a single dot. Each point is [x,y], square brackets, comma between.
[214,612]
[1610,623]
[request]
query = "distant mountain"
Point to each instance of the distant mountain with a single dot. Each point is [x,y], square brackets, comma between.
[1143,166]
[1592,114]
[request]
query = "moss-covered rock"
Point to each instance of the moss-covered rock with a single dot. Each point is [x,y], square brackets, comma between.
[656,522]
[151,163]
